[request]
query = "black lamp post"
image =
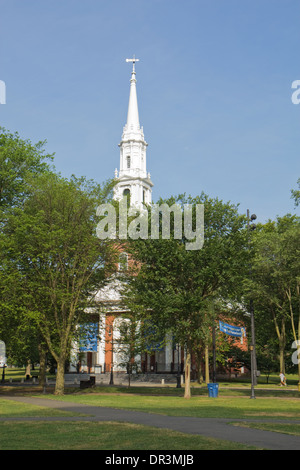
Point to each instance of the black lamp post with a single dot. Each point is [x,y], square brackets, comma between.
[252,344]
[214,353]
[178,369]
[45,378]
[3,374]
[111,381]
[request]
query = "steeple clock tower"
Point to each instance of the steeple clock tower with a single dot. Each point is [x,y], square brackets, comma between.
[133,179]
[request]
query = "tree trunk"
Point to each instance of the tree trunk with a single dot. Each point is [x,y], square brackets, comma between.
[296,333]
[199,367]
[43,365]
[282,344]
[60,376]
[282,341]
[28,369]
[206,365]
[281,360]
[298,350]
[187,375]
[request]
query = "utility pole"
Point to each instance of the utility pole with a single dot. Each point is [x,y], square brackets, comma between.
[214,352]
[110,333]
[252,344]
[178,368]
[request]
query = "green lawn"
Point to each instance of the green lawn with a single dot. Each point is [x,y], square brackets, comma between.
[16,374]
[14,409]
[102,436]
[272,403]
[63,435]
[293,429]
[242,390]
[197,406]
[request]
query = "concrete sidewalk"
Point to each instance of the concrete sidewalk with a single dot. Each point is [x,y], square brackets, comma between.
[209,427]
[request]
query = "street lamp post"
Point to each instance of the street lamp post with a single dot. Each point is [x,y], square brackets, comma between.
[3,374]
[178,369]
[214,353]
[252,352]
[45,378]
[252,345]
[111,381]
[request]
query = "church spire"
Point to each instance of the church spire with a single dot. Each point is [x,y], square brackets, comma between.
[133,178]
[133,123]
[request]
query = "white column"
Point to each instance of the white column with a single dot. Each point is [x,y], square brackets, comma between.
[101,342]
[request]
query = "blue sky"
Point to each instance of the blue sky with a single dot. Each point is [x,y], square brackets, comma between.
[214,91]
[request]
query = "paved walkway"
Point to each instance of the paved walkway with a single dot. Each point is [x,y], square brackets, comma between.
[209,427]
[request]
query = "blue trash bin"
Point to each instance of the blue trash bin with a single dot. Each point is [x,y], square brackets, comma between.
[213,390]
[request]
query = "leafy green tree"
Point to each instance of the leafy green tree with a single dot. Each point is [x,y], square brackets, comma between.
[128,343]
[175,288]
[296,194]
[267,358]
[20,163]
[62,264]
[272,334]
[276,281]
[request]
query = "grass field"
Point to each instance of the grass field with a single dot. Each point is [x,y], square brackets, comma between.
[272,403]
[293,429]
[197,406]
[59,435]
[63,435]
[13,409]
[102,436]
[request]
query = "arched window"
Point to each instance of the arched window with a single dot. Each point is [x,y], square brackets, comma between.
[128,159]
[126,194]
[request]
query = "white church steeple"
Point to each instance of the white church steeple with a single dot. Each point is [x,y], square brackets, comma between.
[133,178]
[133,123]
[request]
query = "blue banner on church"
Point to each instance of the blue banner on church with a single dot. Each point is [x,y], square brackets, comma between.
[154,340]
[89,335]
[238,331]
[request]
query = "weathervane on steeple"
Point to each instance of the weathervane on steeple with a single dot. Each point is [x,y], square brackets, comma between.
[134,60]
